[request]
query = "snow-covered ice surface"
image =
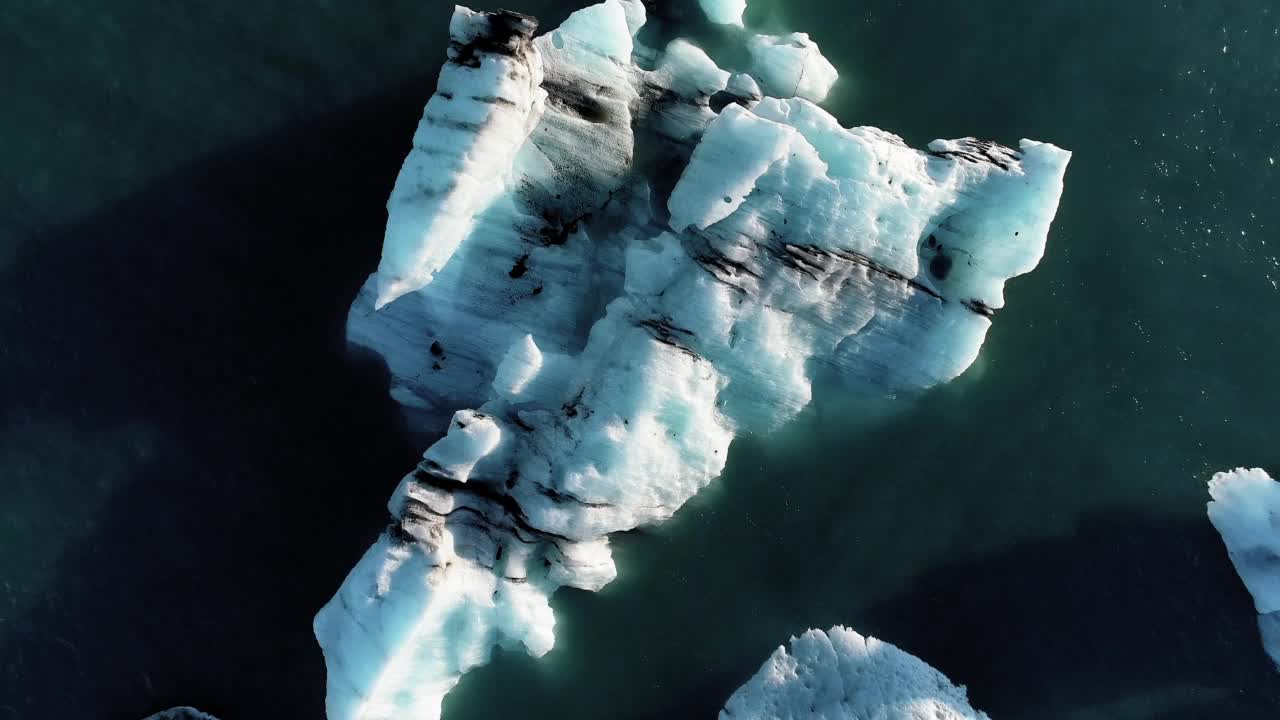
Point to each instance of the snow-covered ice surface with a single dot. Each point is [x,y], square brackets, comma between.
[841,675]
[1246,511]
[602,261]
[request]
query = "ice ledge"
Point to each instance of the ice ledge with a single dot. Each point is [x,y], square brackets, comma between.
[489,98]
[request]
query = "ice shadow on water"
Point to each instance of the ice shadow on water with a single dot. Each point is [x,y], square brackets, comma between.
[211,307]
[1135,616]
[1134,604]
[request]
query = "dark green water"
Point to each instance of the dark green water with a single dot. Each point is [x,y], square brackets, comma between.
[189,463]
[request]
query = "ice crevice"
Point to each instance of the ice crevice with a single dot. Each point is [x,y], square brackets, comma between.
[602,262]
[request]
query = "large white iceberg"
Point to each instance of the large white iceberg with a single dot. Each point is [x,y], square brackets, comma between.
[602,262]
[1246,511]
[841,675]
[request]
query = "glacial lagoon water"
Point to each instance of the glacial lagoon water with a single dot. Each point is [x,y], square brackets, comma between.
[190,462]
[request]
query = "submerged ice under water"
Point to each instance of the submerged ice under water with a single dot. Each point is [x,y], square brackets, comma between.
[622,257]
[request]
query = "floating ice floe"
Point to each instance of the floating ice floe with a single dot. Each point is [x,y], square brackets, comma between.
[841,675]
[602,262]
[1246,511]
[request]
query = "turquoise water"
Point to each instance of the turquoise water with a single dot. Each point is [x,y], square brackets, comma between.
[189,462]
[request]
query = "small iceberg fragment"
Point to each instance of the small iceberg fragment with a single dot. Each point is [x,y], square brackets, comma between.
[841,675]
[180,713]
[1246,512]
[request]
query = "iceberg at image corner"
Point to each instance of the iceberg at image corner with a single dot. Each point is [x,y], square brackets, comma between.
[603,261]
[841,675]
[1246,512]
